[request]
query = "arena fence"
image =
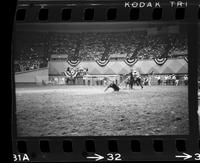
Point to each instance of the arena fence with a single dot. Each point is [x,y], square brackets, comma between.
[100,80]
[90,80]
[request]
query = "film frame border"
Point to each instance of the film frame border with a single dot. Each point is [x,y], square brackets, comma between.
[101,8]
[52,148]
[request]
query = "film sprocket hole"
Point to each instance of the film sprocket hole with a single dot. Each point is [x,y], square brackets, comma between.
[105,81]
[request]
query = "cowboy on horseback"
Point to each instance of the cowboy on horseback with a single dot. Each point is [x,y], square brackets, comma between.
[135,78]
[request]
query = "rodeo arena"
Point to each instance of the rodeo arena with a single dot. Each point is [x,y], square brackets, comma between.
[101,79]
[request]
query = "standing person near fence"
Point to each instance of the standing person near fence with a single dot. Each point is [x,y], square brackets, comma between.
[185,79]
[169,79]
[173,79]
[150,76]
[159,80]
[177,81]
[149,80]
[131,79]
[166,80]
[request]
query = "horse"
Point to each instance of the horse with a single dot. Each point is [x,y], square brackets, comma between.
[133,79]
[138,81]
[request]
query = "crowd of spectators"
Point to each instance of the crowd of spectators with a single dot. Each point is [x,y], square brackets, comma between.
[30,51]
[34,49]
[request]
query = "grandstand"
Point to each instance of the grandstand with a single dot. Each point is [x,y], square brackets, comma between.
[41,47]
[88,46]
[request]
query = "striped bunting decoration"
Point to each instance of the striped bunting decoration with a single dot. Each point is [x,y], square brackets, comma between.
[102,63]
[73,63]
[71,73]
[130,62]
[160,61]
[67,74]
[186,59]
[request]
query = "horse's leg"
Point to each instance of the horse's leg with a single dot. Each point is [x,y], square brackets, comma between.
[131,84]
[140,82]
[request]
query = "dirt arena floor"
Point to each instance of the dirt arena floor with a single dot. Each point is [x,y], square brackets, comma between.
[89,111]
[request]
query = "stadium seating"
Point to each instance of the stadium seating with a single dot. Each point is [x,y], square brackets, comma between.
[34,51]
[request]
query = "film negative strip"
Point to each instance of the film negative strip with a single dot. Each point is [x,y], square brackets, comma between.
[106,81]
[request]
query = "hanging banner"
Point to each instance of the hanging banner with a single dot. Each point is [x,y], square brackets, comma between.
[130,62]
[186,59]
[102,63]
[160,61]
[73,63]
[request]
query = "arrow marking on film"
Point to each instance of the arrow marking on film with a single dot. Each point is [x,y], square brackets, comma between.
[185,156]
[97,157]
